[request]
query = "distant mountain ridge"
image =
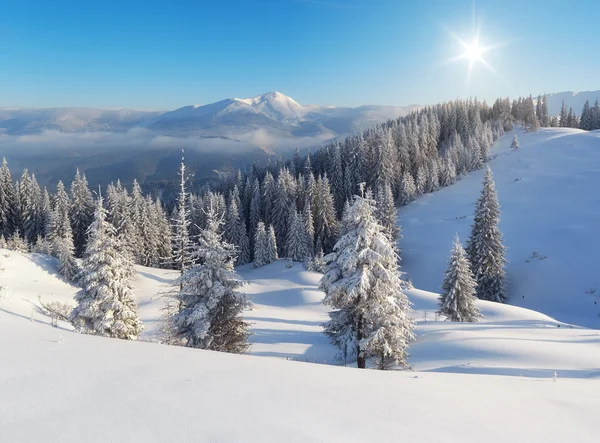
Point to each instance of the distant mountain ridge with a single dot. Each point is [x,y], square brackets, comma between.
[574,100]
[274,113]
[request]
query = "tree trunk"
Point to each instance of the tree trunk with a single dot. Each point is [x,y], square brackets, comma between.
[361,361]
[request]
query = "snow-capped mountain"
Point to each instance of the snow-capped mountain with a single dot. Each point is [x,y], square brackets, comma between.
[275,113]
[574,100]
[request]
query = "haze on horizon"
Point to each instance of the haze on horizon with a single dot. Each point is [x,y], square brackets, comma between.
[332,52]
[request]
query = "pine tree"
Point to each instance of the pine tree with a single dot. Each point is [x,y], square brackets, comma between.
[211,306]
[235,232]
[457,300]
[260,246]
[515,143]
[29,198]
[296,242]
[309,228]
[182,244]
[105,304]
[325,216]
[563,116]
[386,213]
[485,248]
[256,206]
[281,211]
[81,212]
[60,235]
[9,220]
[407,191]
[545,122]
[371,316]
[271,246]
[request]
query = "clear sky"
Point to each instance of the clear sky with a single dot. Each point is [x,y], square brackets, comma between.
[170,53]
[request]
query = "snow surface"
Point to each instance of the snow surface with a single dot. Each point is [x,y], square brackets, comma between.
[62,387]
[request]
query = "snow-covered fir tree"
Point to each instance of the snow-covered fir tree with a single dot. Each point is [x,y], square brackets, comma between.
[271,246]
[235,232]
[458,301]
[105,304]
[260,245]
[407,191]
[309,223]
[183,247]
[515,143]
[296,242]
[371,316]
[386,213]
[60,235]
[210,303]
[326,228]
[17,243]
[8,203]
[81,211]
[485,249]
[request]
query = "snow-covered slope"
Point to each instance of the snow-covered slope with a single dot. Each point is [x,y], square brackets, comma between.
[63,387]
[548,192]
[58,386]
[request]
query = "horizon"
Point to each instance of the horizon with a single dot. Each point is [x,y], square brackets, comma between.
[150,56]
[120,108]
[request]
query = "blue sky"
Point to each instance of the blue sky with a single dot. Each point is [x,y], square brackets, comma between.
[166,54]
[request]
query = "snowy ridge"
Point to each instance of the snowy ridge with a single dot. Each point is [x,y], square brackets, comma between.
[574,100]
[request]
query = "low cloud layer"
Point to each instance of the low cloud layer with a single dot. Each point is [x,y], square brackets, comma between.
[53,155]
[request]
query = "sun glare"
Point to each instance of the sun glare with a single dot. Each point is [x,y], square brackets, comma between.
[473,52]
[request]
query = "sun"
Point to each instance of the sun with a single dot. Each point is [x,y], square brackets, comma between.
[474,52]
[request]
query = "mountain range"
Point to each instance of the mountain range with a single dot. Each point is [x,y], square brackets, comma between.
[273,113]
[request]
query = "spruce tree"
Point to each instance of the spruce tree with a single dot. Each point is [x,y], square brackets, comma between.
[81,212]
[485,249]
[407,191]
[9,220]
[105,304]
[60,235]
[371,316]
[260,245]
[309,227]
[458,301]
[182,245]
[271,245]
[210,303]
[325,216]
[235,232]
[563,116]
[386,213]
[515,143]
[296,242]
